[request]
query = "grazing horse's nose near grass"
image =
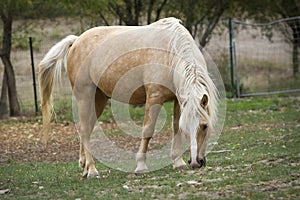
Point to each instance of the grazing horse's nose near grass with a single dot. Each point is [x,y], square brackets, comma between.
[197,164]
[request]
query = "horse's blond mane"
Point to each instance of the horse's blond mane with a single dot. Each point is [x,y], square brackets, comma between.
[192,79]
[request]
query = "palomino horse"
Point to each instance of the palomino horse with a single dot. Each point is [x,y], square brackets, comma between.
[147,65]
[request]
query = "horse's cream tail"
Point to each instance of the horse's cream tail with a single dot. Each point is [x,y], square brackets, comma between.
[47,113]
[50,70]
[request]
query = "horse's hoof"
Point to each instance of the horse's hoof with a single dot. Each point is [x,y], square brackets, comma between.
[141,172]
[94,174]
[88,175]
[179,164]
[81,164]
[84,175]
[181,167]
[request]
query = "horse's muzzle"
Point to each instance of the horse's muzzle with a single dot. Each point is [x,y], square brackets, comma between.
[199,163]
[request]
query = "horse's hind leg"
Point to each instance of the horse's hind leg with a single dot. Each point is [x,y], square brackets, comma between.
[100,103]
[152,109]
[87,119]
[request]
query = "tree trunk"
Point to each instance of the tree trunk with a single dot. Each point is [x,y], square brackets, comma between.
[126,14]
[3,101]
[137,11]
[160,8]
[218,10]
[190,16]
[129,21]
[14,106]
[149,11]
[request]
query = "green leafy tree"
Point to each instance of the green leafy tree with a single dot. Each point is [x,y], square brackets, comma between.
[201,17]
[90,12]
[134,12]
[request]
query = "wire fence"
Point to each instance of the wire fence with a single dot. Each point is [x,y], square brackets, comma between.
[265,57]
[22,63]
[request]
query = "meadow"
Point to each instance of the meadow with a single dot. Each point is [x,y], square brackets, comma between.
[257,157]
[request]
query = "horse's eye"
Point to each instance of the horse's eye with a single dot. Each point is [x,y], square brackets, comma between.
[204,126]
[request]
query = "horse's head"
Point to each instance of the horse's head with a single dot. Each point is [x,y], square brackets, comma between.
[198,148]
[198,129]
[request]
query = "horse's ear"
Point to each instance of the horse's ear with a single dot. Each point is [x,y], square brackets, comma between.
[204,101]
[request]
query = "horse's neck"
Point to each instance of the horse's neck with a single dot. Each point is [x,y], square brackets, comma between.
[182,87]
[179,77]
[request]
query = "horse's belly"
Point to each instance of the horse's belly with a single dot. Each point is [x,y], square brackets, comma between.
[131,86]
[124,94]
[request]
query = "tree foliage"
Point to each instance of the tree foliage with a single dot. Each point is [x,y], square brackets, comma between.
[199,17]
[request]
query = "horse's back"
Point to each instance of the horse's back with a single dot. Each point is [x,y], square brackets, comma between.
[85,45]
[119,59]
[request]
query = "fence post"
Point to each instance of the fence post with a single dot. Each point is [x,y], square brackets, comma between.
[33,77]
[231,55]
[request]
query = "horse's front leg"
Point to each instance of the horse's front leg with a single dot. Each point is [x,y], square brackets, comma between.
[176,151]
[152,109]
[141,166]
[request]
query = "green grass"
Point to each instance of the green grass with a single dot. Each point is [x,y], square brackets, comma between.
[257,75]
[261,161]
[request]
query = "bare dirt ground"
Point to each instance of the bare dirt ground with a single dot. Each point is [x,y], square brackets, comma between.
[21,141]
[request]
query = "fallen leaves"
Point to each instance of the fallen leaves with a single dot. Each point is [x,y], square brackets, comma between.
[22,142]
